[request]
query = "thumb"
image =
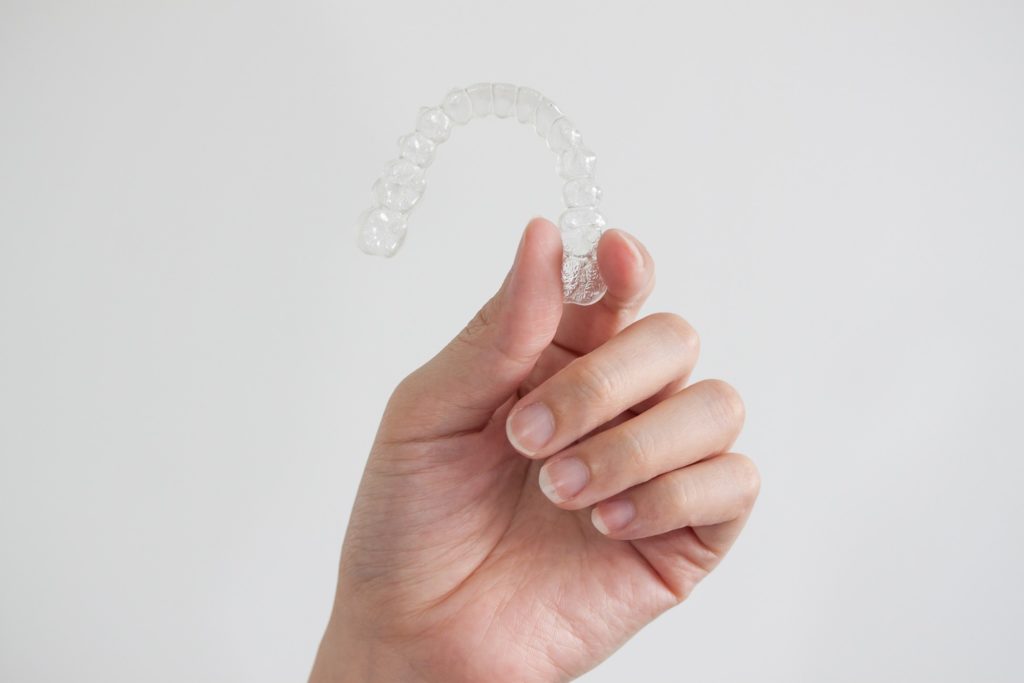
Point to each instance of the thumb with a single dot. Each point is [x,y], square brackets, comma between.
[460,388]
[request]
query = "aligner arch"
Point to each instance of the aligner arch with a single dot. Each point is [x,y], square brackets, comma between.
[381,229]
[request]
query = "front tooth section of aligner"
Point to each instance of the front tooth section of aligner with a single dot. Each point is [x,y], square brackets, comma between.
[417,148]
[582,192]
[563,135]
[457,106]
[504,100]
[527,100]
[581,280]
[581,230]
[434,123]
[576,162]
[380,231]
[482,97]
[401,186]
[547,114]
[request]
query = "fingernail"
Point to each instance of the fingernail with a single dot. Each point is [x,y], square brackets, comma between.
[531,428]
[634,247]
[562,479]
[613,515]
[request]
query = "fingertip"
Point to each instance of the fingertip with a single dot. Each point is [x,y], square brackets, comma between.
[539,223]
[598,522]
[626,265]
[534,295]
[612,517]
[540,256]
[543,242]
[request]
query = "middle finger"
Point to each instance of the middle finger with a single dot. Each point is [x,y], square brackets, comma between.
[650,354]
[701,421]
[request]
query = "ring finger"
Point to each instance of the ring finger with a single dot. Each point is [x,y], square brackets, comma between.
[713,492]
[700,421]
[632,366]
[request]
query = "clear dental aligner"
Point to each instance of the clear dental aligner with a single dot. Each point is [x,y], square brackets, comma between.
[381,229]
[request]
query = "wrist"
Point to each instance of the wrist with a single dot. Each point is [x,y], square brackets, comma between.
[342,658]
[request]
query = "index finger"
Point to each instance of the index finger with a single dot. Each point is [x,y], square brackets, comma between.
[628,270]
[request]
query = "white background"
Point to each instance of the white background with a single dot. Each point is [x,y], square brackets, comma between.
[194,355]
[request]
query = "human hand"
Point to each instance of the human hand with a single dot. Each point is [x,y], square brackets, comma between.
[468,558]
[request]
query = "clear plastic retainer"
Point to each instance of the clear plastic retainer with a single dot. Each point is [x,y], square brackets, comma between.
[381,228]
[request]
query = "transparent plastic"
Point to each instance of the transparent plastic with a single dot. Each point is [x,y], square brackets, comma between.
[381,228]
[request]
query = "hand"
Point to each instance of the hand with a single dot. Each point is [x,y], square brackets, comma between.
[539,490]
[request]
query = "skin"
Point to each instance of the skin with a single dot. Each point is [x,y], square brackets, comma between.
[457,566]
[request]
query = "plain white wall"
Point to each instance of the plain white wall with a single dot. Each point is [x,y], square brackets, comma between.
[194,355]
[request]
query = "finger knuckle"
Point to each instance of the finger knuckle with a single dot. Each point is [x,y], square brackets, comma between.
[480,334]
[634,448]
[594,383]
[724,403]
[686,494]
[477,326]
[747,478]
[678,331]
